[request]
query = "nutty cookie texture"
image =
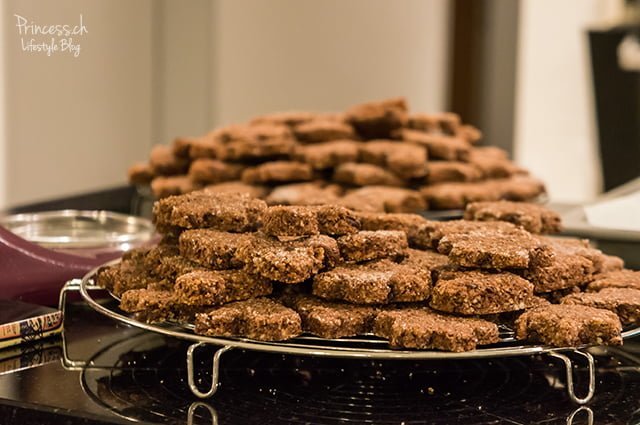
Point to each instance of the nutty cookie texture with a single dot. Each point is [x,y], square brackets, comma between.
[477,293]
[290,261]
[153,305]
[206,288]
[625,302]
[405,160]
[415,226]
[211,248]
[616,279]
[533,218]
[564,325]
[230,212]
[328,319]
[485,248]
[290,221]
[258,318]
[311,193]
[374,283]
[369,245]
[422,328]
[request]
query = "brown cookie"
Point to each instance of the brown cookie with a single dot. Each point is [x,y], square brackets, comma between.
[290,221]
[211,248]
[451,171]
[328,319]
[209,287]
[314,193]
[194,147]
[569,326]
[625,302]
[164,261]
[476,293]
[209,171]
[278,172]
[322,156]
[384,198]
[140,173]
[438,146]
[492,165]
[415,226]
[336,220]
[405,160]
[283,261]
[365,175]
[559,272]
[320,130]
[422,328]
[616,279]
[163,162]
[469,133]
[533,218]
[152,306]
[380,282]
[162,186]
[612,263]
[518,188]
[289,118]
[436,230]
[369,245]
[259,318]
[254,191]
[445,122]
[456,195]
[250,143]
[379,119]
[229,212]
[490,249]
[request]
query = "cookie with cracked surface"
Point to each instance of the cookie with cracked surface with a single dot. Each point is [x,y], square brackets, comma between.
[356,174]
[423,328]
[369,245]
[532,217]
[378,119]
[278,172]
[569,326]
[625,302]
[615,279]
[211,248]
[216,287]
[258,318]
[384,198]
[478,293]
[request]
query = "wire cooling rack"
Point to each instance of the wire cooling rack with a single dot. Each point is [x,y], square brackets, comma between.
[365,347]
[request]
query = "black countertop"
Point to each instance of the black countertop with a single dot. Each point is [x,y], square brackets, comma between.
[130,375]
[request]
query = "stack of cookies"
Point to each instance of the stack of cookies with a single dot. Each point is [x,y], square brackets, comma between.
[236,267]
[375,157]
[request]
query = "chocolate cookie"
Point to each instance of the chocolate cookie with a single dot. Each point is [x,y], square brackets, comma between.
[314,193]
[140,173]
[477,293]
[290,221]
[207,288]
[422,328]
[533,218]
[405,160]
[365,175]
[278,172]
[616,279]
[152,306]
[569,326]
[380,282]
[328,319]
[384,198]
[259,318]
[451,171]
[379,119]
[322,156]
[456,195]
[438,146]
[251,143]
[211,248]
[415,226]
[625,302]
[162,186]
[320,130]
[209,171]
[230,212]
[163,162]
[253,191]
[369,245]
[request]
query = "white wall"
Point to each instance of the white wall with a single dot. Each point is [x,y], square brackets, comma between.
[3,99]
[290,54]
[555,132]
[75,124]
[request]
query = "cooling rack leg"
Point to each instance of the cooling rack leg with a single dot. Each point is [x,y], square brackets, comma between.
[214,371]
[194,406]
[569,372]
[580,409]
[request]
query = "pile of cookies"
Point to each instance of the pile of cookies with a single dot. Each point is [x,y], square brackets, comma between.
[374,157]
[235,266]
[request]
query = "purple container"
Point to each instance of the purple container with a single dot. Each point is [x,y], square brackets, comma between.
[39,252]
